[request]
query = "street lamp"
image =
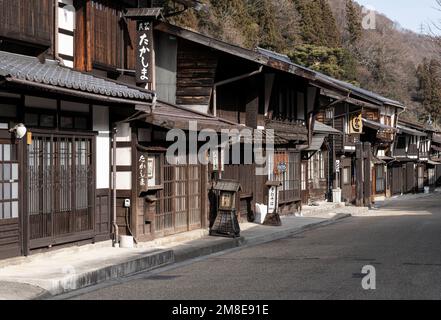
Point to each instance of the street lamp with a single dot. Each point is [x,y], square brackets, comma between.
[19,130]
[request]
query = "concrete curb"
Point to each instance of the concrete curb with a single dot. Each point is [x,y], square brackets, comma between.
[168,257]
[81,280]
[183,253]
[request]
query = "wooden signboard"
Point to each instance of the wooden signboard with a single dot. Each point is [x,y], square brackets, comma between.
[356,124]
[144,52]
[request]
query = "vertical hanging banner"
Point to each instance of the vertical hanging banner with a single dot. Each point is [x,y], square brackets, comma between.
[142,173]
[144,52]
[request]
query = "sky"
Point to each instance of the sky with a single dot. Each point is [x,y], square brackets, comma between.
[410,14]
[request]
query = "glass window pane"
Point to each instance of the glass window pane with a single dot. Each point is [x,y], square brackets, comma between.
[31,119]
[14,212]
[14,192]
[14,152]
[80,123]
[1,191]
[1,171]
[1,210]
[66,122]
[6,152]
[15,171]
[7,210]
[1,152]
[47,120]
[6,171]
[7,191]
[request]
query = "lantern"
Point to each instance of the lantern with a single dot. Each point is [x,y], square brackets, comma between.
[226,223]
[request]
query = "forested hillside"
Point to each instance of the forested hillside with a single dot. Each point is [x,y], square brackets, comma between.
[327,35]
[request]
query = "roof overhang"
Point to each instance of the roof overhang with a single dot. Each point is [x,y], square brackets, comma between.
[316,143]
[404,129]
[321,128]
[385,158]
[76,93]
[254,56]
[377,125]
[378,161]
[436,138]
[346,98]
[169,116]
[51,76]
[140,13]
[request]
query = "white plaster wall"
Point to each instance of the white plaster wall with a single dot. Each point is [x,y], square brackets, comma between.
[101,124]
[124,180]
[66,16]
[124,156]
[65,44]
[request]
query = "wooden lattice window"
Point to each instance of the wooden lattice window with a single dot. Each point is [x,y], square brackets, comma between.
[8,181]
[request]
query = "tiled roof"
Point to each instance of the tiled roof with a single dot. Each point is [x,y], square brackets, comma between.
[50,72]
[321,76]
[277,61]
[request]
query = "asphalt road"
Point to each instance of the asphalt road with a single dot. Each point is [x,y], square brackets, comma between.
[402,241]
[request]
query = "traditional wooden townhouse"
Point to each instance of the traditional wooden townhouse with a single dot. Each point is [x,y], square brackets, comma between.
[94,93]
[316,172]
[92,164]
[259,89]
[363,117]
[413,169]
[55,128]
[435,159]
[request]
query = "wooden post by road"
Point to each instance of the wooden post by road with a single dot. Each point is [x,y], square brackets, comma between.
[367,174]
[359,174]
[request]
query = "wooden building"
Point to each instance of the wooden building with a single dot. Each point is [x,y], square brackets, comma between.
[93,164]
[316,165]
[434,171]
[412,169]
[56,180]
[362,116]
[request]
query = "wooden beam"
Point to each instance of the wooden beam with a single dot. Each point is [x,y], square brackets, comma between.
[89,40]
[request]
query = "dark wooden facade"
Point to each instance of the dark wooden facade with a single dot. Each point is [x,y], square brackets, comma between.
[414,161]
[26,26]
[378,123]
[315,177]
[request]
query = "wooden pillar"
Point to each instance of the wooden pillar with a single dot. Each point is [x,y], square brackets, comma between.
[133,211]
[367,174]
[252,104]
[359,173]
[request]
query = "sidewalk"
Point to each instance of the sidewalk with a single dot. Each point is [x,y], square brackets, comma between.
[42,275]
[407,196]
[329,210]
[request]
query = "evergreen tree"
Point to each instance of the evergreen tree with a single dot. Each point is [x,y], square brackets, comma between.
[353,23]
[263,12]
[309,31]
[331,35]
[334,62]
[318,24]
[429,89]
